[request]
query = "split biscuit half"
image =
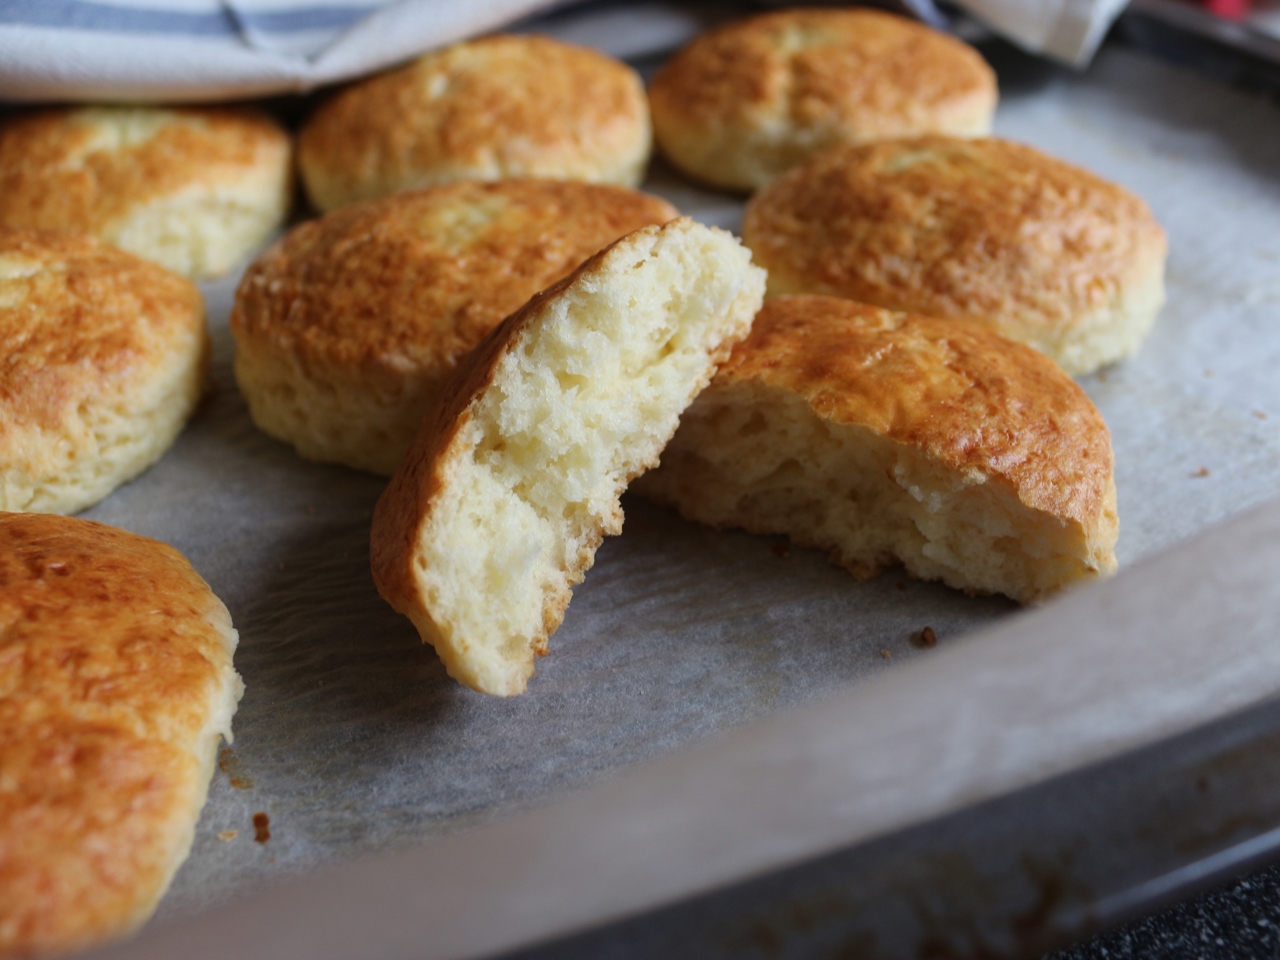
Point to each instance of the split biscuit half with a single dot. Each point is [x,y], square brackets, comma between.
[346,329]
[196,189]
[988,231]
[116,684]
[498,508]
[749,100]
[105,361]
[489,109]
[888,438]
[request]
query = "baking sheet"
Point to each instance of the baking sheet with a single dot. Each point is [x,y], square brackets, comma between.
[918,764]
[351,739]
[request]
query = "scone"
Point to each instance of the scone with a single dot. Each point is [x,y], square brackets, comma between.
[105,359]
[502,106]
[890,438]
[347,327]
[987,231]
[746,101]
[514,478]
[195,189]
[115,684]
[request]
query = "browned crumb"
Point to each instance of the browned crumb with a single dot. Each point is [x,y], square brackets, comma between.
[226,836]
[928,637]
[1259,414]
[1202,472]
[886,654]
[1208,372]
[1102,376]
[230,765]
[261,828]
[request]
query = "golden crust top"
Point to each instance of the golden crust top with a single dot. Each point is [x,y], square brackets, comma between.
[82,320]
[85,170]
[415,280]
[855,74]
[967,397]
[501,106]
[986,230]
[114,660]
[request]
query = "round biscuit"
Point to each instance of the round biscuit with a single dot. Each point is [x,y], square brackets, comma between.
[195,189]
[346,329]
[984,230]
[515,475]
[502,106]
[118,683]
[744,102]
[105,360]
[887,437]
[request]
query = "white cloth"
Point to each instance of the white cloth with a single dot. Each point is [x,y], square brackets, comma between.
[1066,30]
[187,50]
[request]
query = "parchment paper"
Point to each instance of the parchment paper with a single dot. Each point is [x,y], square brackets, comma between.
[351,738]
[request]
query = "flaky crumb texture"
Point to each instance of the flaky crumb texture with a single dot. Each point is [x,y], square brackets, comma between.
[508,499]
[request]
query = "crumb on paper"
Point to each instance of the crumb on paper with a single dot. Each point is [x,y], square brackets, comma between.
[261,827]
[1102,376]
[928,637]
[1208,372]
[229,764]
[1202,472]
[886,654]
[781,549]
[226,836]
[1260,414]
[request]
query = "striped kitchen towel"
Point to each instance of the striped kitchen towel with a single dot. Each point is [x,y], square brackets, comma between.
[157,50]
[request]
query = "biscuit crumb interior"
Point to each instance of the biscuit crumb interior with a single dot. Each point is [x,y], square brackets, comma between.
[581,403]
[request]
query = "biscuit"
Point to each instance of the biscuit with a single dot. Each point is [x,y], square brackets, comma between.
[105,358]
[497,509]
[489,109]
[115,684]
[194,189]
[348,326]
[888,438]
[744,102]
[982,230]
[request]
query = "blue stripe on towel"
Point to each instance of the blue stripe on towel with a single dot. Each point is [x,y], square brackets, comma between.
[89,15]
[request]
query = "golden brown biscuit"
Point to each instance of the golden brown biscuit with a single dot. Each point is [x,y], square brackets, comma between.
[514,478]
[347,327]
[195,189]
[744,102]
[982,230]
[115,685]
[106,357]
[488,109]
[885,437]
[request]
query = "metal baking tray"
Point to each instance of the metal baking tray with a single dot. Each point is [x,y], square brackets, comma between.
[737,746]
